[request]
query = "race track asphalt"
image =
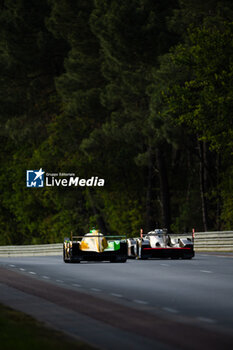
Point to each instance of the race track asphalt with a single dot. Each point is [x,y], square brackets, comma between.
[159,304]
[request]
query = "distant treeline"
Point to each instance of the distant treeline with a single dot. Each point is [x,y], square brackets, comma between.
[139,93]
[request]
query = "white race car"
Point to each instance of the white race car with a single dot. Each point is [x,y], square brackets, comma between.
[158,244]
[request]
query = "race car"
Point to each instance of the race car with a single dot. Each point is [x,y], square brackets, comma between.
[94,246]
[158,244]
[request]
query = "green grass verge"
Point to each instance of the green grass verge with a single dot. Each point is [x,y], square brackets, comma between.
[22,332]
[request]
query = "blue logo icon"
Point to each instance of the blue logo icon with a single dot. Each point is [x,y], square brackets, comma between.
[35,178]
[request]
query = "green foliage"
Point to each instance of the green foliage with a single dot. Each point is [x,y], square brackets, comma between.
[126,91]
[227,191]
[201,99]
[124,215]
[204,101]
[22,332]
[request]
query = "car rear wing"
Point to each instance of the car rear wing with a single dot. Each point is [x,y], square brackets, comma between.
[113,237]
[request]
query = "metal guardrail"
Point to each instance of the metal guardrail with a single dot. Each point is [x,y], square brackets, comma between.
[31,250]
[220,241]
[217,241]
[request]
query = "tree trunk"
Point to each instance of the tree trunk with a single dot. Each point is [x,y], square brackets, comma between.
[218,209]
[149,210]
[203,183]
[96,212]
[164,188]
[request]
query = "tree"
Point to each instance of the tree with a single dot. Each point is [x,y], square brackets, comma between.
[30,58]
[203,101]
[132,35]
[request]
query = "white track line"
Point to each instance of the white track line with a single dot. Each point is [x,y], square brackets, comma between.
[76,285]
[12,265]
[164,264]
[169,309]
[206,271]
[116,295]
[59,281]
[46,277]
[22,269]
[32,273]
[95,289]
[140,301]
[206,319]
